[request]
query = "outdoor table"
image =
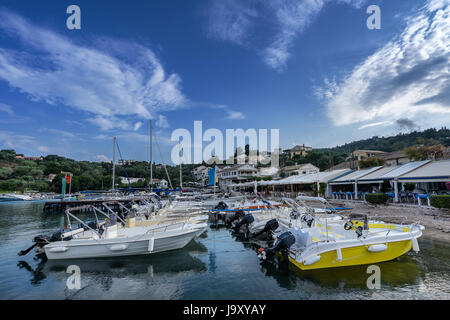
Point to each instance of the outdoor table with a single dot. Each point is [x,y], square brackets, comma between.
[423,196]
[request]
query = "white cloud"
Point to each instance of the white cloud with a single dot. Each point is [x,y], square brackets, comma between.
[100,79]
[60,133]
[162,122]
[408,77]
[137,126]
[102,158]
[234,20]
[229,20]
[374,124]
[21,142]
[235,115]
[6,108]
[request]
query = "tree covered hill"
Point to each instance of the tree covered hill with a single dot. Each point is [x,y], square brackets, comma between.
[17,174]
[398,142]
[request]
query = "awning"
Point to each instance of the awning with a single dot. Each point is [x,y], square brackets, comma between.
[354,176]
[436,171]
[375,177]
[404,169]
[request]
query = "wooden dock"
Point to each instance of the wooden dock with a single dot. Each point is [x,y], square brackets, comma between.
[61,206]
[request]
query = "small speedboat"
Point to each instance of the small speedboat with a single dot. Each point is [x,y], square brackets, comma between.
[113,237]
[318,243]
[14,197]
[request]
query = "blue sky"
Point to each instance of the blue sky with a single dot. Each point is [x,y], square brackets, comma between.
[310,68]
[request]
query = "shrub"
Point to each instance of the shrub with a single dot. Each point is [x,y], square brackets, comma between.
[442,201]
[377,198]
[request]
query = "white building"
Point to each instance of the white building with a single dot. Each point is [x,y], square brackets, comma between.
[300,169]
[201,174]
[124,180]
[160,183]
[236,174]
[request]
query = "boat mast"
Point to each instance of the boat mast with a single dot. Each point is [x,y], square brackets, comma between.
[181,176]
[114,163]
[151,157]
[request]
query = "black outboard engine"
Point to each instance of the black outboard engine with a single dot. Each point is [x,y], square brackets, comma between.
[245,221]
[269,229]
[221,206]
[238,215]
[41,241]
[282,245]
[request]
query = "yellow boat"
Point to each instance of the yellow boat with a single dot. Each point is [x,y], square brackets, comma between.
[350,244]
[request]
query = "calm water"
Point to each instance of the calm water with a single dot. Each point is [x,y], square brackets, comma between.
[214,267]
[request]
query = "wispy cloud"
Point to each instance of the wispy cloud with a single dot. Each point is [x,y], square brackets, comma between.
[137,125]
[235,115]
[99,78]
[60,133]
[230,20]
[6,108]
[234,21]
[12,140]
[102,158]
[230,114]
[408,77]
[374,124]
[162,122]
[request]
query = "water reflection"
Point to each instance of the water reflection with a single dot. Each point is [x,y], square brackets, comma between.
[103,270]
[400,272]
[218,265]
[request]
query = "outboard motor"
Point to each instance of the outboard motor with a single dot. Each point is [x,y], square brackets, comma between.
[238,215]
[269,229]
[41,241]
[245,221]
[221,206]
[282,245]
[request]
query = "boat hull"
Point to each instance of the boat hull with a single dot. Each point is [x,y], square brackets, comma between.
[140,245]
[358,255]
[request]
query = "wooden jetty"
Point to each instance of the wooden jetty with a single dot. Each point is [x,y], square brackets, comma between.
[61,206]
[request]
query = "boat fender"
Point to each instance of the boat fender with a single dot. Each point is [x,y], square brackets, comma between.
[58,249]
[415,244]
[151,244]
[118,247]
[311,260]
[339,254]
[377,248]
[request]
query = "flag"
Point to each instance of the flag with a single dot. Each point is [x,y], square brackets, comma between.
[68,179]
[63,187]
[212,176]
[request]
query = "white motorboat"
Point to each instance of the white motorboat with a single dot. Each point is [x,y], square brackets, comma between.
[14,197]
[108,238]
